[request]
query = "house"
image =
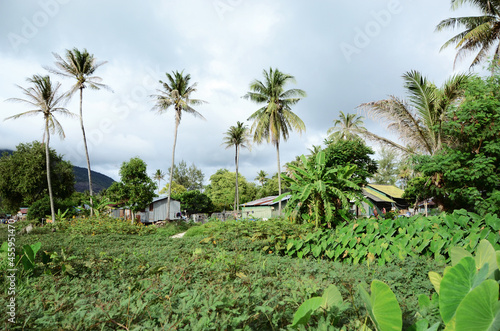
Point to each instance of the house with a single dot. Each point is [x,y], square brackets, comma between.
[387,197]
[157,210]
[263,208]
[154,212]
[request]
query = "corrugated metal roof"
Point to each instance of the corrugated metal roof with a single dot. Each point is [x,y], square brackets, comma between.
[375,196]
[162,198]
[390,190]
[267,201]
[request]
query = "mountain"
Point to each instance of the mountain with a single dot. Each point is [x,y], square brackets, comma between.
[99,181]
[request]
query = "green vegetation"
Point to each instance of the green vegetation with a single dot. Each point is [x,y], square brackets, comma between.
[28,162]
[81,66]
[275,120]
[221,189]
[135,189]
[319,193]
[47,98]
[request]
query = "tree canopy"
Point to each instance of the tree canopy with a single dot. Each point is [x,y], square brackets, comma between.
[24,176]
[466,174]
[352,152]
[221,189]
[136,189]
[190,177]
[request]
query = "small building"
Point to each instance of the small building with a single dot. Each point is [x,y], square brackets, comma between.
[154,212]
[157,210]
[387,197]
[263,208]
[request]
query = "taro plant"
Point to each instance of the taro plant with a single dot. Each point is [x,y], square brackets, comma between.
[467,297]
[322,192]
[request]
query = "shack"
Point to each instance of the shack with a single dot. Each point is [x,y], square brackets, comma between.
[264,208]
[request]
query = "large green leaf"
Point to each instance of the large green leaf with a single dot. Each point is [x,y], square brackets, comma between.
[485,254]
[480,309]
[435,279]
[331,297]
[456,284]
[457,254]
[382,306]
[303,314]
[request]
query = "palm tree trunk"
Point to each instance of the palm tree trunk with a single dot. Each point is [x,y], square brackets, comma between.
[47,161]
[172,167]
[279,176]
[236,160]
[86,152]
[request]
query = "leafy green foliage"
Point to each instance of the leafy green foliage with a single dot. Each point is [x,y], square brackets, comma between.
[195,202]
[383,241]
[102,225]
[24,176]
[382,306]
[221,189]
[190,177]
[468,297]
[352,152]
[324,193]
[135,189]
[466,174]
[154,282]
[41,208]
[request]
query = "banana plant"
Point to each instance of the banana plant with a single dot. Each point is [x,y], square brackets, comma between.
[325,193]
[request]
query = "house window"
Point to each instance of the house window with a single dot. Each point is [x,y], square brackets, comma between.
[151,207]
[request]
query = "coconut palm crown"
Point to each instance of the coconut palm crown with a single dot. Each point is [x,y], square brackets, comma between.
[237,136]
[480,35]
[81,66]
[176,94]
[45,98]
[418,120]
[275,119]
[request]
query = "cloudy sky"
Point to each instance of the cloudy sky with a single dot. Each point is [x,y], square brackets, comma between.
[342,53]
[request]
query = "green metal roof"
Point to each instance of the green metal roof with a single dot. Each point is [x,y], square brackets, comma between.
[376,196]
[389,190]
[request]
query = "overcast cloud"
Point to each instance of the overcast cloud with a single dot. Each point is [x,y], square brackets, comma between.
[342,53]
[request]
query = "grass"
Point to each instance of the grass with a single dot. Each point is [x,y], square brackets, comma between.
[150,281]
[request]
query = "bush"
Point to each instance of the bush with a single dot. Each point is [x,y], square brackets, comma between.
[41,208]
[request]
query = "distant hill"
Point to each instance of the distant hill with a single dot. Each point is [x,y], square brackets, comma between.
[99,181]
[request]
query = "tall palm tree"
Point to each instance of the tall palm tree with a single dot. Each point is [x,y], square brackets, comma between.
[81,66]
[44,96]
[418,120]
[159,176]
[177,93]
[481,34]
[346,127]
[275,119]
[261,177]
[237,136]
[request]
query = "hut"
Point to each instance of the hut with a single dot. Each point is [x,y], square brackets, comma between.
[263,208]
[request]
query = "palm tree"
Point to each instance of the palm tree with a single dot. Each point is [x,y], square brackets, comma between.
[261,177]
[418,120]
[159,176]
[177,93]
[314,150]
[81,66]
[275,119]
[237,136]
[44,96]
[347,127]
[481,34]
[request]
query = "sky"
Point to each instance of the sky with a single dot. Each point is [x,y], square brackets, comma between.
[342,53]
